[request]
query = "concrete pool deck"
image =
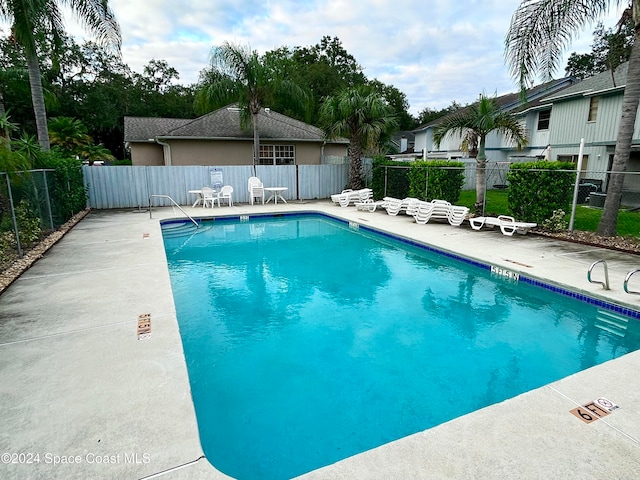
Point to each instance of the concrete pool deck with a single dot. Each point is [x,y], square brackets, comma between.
[81,397]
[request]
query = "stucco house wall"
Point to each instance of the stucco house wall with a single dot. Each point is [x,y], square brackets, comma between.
[147,154]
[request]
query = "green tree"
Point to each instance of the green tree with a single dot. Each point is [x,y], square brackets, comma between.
[540,30]
[69,134]
[474,123]
[33,21]
[239,75]
[609,50]
[396,100]
[428,115]
[322,70]
[361,115]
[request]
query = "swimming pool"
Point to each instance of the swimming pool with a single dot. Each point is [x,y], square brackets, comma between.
[308,340]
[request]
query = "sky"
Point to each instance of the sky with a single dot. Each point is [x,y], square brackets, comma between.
[434,51]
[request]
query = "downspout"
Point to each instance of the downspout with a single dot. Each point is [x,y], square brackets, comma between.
[166,150]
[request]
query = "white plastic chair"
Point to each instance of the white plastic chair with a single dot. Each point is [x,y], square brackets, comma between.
[256,189]
[225,194]
[208,197]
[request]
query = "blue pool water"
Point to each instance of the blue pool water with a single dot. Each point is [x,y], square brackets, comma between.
[308,341]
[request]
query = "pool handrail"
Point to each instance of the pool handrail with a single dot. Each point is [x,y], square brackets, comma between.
[174,202]
[605,284]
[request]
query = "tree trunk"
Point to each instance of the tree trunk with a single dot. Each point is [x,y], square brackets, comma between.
[37,98]
[256,141]
[355,164]
[630,101]
[481,177]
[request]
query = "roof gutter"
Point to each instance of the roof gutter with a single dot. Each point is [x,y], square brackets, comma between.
[166,150]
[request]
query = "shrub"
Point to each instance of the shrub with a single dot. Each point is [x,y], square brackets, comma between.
[436,179]
[390,178]
[28,228]
[556,223]
[69,193]
[28,224]
[537,189]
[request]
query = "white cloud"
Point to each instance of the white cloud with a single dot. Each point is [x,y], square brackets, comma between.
[435,51]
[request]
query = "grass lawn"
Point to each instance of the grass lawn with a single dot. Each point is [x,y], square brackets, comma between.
[586,218]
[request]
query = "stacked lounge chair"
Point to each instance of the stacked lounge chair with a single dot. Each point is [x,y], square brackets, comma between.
[349,197]
[441,210]
[396,205]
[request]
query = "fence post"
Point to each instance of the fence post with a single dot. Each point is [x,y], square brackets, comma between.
[386,178]
[46,191]
[13,216]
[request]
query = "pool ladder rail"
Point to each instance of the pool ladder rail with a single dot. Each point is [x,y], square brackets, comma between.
[626,282]
[174,203]
[605,284]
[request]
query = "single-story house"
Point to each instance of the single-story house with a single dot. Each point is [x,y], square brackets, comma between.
[218,139]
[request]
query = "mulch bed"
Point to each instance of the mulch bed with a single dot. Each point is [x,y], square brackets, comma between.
[621,244]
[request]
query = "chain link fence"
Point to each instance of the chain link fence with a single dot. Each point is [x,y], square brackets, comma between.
[394,181]
[28,211]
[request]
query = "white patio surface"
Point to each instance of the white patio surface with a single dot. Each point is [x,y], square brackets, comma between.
[90,400]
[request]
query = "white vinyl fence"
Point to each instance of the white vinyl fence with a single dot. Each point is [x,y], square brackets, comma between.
[131,187]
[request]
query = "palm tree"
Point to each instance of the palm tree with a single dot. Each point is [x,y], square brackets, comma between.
[540,31]
[238,75]
[69,134]
[474,124]
[360,115]
[33,20]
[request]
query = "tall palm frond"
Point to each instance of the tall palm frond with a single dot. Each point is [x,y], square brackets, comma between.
[540,32]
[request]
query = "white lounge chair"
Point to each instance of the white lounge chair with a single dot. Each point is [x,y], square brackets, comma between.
[507,224]
[348,197]
[397,205]
[440,210]
[256,189]
[370,205]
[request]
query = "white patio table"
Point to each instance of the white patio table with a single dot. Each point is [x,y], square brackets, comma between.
[198,194]
[276,192]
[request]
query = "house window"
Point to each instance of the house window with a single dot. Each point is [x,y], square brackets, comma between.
[543,119]
[277,155]
[593,109]
[574,159]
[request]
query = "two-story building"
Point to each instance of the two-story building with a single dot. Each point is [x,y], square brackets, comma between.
[558,115]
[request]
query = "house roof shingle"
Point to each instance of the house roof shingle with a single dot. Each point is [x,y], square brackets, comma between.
[141,129]
[512,102]
[224,123]
[597,83]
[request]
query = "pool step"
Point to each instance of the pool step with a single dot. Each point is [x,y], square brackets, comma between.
[181,229]
[612,322]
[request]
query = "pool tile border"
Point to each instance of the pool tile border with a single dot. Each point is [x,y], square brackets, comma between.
[622,310]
